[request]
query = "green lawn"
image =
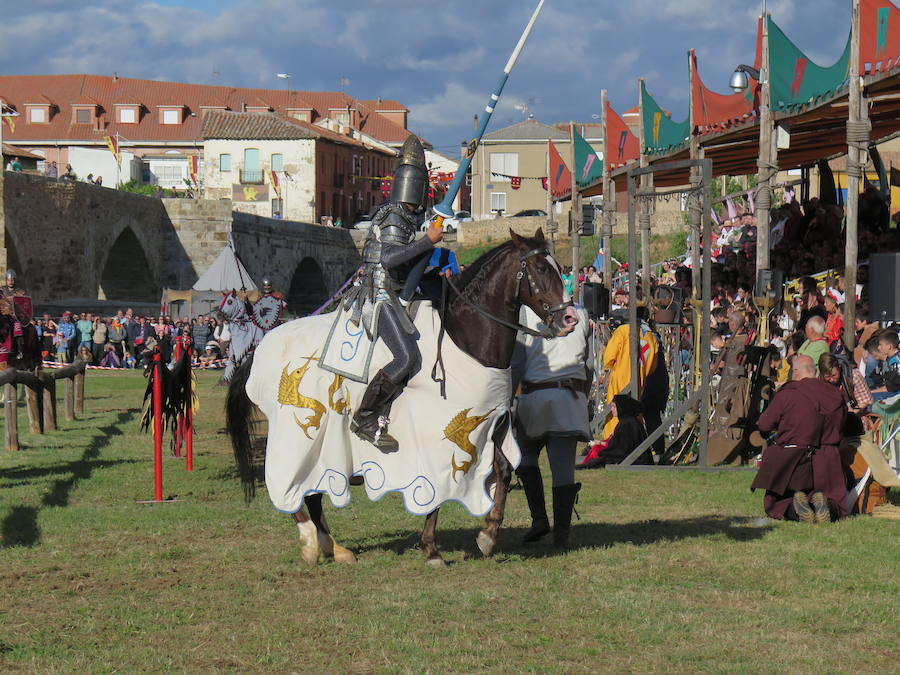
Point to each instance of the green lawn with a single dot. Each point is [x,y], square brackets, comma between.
[672,573]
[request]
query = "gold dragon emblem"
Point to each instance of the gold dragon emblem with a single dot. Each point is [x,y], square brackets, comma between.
[289,394]
[458,431]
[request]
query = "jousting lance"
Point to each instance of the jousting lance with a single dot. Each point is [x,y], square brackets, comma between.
[445,208]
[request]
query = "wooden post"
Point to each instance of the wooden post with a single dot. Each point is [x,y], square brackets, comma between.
[11,417]
[70,398]
[35,423]
[646,202]
[695,206]
[575,217]
[49,402]
[551,235]
[857,111]
[79,391]
[767,157]
[634,333]
[609,197]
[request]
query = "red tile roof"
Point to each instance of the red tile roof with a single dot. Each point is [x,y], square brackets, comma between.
[12,151]
[386,105]
[230,125]
[64,90]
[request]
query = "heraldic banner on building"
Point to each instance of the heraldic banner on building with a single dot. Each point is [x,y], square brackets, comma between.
[249,193]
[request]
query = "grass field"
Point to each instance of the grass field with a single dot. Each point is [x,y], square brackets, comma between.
[672,573]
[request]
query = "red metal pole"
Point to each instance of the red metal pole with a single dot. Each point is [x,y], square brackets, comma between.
[189,414]
[157,425]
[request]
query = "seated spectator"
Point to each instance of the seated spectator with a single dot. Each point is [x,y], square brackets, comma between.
[128,360]
[834,324]
[84,353]
[628,434]
[885,348]
[851,383]
[802,472]
[222,335]
[110,358]
[864,332]
[815,344]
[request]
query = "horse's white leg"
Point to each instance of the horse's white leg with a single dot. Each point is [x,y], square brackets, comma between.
[309,541]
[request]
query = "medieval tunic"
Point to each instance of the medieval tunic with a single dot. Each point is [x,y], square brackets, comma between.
[563,410]
[808,415]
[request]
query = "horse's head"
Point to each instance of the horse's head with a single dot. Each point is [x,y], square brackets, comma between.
[540,285]
[231,306]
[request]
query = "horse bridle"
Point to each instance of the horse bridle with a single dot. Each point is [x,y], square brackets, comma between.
[533,288]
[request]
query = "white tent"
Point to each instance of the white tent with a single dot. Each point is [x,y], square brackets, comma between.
[225,273]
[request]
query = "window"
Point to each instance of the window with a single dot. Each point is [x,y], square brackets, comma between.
[504,164]
[224,162]
[37,115]
[82,116]
[127,116]
[277,205]
[342,117]
[277,162]
[171,117]
[169,173]
[498,201]
[302,116]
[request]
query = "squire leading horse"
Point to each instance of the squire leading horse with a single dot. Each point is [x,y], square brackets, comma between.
[455,447]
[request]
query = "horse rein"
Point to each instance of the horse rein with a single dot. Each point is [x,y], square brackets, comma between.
[533,287]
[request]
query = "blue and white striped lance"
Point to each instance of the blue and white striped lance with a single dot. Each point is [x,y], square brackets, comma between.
[445,208]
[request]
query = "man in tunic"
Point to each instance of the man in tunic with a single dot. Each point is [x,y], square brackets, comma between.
[802,473]
[392,261]
[552,413]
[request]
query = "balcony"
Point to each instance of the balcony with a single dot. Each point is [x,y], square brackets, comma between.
[252,177]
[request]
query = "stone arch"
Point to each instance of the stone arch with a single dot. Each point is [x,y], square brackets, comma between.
[127,274]
[308,289]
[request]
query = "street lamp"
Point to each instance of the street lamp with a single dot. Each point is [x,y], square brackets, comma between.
[739,80]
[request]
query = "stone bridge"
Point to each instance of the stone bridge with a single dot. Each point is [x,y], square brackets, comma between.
[72,240]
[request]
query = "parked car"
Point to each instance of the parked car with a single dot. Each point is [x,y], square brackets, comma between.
[450,224]
[529,212]
[364,222]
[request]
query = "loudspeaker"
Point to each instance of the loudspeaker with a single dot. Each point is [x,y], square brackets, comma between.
[596,299]
[884,287]
[667,300]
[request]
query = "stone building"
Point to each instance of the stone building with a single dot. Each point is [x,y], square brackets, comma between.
[280,167]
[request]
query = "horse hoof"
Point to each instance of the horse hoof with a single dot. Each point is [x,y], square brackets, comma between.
[309,543]
[331,549]
[485,544]
[437,562]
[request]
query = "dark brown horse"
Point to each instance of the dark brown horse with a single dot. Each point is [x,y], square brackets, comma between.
[481,317]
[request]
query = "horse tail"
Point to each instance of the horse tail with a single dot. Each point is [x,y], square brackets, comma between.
[238,422]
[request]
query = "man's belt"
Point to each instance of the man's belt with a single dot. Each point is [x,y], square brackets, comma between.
[582,386]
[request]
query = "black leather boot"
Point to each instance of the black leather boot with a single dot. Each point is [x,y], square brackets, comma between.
[533,485]
[564,498]
[370,422]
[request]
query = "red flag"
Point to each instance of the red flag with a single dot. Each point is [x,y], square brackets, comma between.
[515,182]
[544,182]
[560,177]
[273,179]
[620,144]
[194,168]
[113,144]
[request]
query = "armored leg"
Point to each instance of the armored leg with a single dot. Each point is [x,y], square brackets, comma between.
[370,422]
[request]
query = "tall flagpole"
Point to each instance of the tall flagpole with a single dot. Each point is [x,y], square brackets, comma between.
[445,208]
[575,215]
[857,113]
[608,200]
[646,186]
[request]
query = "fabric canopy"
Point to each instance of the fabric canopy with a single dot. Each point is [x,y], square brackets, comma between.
[796,80]
[620,145]
[226,273]
[661,134]
[590,166]
[879,43]
[717,112]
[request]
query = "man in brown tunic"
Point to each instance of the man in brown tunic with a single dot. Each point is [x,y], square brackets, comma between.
[802,473]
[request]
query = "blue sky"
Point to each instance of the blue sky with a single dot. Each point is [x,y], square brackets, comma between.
[439,57]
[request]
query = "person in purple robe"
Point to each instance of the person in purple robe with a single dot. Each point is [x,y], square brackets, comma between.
[802,472]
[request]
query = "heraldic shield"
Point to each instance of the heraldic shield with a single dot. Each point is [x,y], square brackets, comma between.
[267,311]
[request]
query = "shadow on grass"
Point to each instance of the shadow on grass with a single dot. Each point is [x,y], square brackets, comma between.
[20,527]
[584,535]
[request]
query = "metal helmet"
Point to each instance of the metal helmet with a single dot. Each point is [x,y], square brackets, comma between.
[10,274]
[266,284]
[411,175]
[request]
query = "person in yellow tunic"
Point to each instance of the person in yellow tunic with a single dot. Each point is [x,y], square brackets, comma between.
[617,361]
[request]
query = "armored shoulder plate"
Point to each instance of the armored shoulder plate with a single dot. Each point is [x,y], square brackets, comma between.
[395,224]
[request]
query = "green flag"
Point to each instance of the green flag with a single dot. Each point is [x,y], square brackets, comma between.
[590,166]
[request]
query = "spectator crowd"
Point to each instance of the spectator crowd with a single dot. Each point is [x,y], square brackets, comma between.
[127,340]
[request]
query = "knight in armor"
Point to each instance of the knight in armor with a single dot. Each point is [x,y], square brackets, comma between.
[13,314]
[394,261]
